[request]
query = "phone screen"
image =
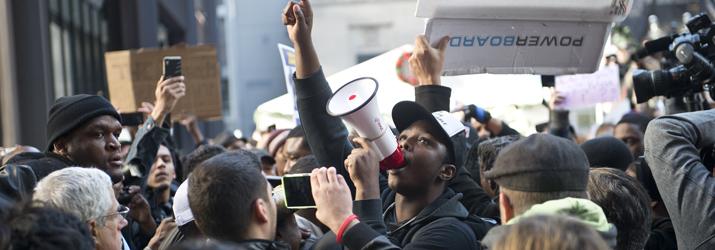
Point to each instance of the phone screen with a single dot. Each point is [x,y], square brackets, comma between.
[172,66]
[298,193]
[132,119]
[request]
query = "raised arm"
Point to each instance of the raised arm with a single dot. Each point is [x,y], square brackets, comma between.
[151,134]
[326,135]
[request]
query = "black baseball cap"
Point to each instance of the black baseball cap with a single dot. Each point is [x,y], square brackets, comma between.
[405,113]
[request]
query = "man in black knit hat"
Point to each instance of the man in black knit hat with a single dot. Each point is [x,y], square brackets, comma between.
[82,130]
[607,151]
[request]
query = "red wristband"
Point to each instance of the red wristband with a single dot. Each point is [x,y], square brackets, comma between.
[343,227]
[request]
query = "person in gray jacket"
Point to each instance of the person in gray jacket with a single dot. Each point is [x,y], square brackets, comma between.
[673,147]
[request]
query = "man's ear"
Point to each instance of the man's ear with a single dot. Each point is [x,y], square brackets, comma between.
[94,229]
[447,172]
[59,146]
[506,210]
[260,211]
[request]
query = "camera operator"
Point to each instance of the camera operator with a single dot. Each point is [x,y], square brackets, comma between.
[673,146]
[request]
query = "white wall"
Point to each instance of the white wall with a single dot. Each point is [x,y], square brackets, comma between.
[253,67]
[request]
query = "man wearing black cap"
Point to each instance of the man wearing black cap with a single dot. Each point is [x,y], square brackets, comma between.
[82,130]
[545,174]
[418,210]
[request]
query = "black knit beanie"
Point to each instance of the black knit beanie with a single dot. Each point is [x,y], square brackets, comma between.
[607,151]
[637,119]
[70,112]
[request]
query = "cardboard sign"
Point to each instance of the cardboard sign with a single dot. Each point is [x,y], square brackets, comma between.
[133,75]
[589,89]
[288,62]
[548,37]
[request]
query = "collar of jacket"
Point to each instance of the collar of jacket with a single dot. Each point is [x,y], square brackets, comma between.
[446,205]
[262,245]
[63,159]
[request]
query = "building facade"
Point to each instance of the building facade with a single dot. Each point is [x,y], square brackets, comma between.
[55,48]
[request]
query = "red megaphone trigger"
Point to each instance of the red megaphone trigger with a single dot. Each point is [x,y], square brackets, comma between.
[394,161]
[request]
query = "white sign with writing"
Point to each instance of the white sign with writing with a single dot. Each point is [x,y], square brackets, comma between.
[589,89]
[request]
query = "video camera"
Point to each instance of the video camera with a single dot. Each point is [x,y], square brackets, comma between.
[693,71]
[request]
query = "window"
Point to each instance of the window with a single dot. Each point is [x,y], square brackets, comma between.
[77,42]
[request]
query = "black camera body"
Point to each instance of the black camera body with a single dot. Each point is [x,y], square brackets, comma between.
[693,69]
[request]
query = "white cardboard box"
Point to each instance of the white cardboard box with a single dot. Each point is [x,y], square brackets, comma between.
[549,37]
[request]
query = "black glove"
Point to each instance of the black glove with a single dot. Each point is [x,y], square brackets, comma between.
[481,115]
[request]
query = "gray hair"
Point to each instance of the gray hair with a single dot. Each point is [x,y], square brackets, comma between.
[84,192]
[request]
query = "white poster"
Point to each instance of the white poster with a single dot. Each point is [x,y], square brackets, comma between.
[288,61]
[589,89]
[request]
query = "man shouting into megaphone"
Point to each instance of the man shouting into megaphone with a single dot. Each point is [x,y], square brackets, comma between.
[420,208]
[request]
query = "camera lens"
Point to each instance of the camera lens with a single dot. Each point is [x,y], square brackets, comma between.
[648,84]
[643,85]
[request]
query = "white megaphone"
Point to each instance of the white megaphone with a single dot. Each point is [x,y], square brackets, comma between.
[356,103]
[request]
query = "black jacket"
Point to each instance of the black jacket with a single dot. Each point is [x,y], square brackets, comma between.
[42,164]
[144,148]
[662,235]
[261,245]
[438,226]
[328,137]
[18,178]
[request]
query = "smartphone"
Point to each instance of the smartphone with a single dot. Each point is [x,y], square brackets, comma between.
[274,180]
[298,194]
[132,119]
[172,66]
[124,197]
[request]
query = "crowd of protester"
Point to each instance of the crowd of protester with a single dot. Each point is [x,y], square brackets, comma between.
[642,183]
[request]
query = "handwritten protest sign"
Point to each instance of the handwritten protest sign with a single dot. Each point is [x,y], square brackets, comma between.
[585,90]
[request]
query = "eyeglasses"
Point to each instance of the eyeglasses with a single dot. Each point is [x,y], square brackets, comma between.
[121,210]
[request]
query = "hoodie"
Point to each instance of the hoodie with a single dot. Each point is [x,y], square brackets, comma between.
[584,210]
[438,226]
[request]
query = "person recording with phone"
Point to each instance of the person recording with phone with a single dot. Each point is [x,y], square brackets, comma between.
[147,161]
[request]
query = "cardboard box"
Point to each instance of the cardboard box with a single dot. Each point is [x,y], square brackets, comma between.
[132,76]
[549,37]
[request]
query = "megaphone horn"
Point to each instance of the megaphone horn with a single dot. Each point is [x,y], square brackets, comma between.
[356,103]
